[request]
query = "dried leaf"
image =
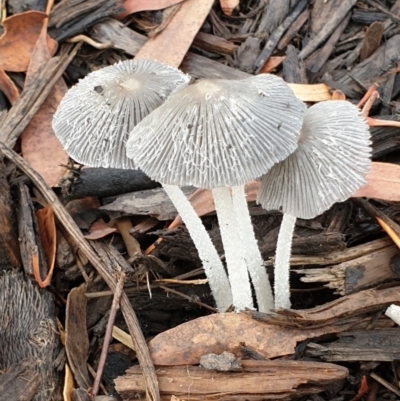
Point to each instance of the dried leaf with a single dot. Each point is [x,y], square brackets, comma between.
[227,6]
[184,25]
[99,229]
[383,182]
[47,232]
[8,87]
[134,6]
[272,63]
[40,147]
[21,32]
[186,343]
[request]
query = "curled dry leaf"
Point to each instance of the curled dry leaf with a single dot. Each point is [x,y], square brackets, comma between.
[47,232]
[134,6]
[21,31]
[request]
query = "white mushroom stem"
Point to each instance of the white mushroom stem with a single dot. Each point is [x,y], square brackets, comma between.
[212,265]
[237,270]
[394,313]
[251,252]
[282,258]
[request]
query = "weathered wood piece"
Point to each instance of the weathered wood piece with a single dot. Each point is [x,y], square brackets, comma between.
[76,336]
[293,29]
[20,382]
[315,62]
[364,272]
[340,311]
[9,246]
[385,139]
[374,66]
[294,70]
[130,41]
[104,182]
[153,202]
[247,54]
[373,345]
[69,18]
[276,12]
[259,380]
[335,12]
[278,33]
[214,44]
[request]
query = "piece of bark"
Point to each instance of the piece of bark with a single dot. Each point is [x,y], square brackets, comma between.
[9,246]
[367,17]
[294,29]
[259,380]
[357,274]
[277,34]
[372,40]
[374,66]
[294,70]
[344,309]
[276,12]
[315,62]
[387,94]
[20,381]
[76,336]
[337,257]
[385,139]
[153,202]
[335,12]
[214,44]
[381,345]
[247,53]
[104,182]
[71,18]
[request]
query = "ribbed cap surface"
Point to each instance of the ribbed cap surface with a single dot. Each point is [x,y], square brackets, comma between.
[95,117]
[329,165]
[218,133]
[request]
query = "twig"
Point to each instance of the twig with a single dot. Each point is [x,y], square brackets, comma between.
[180,294]
[108,335]
[149,373]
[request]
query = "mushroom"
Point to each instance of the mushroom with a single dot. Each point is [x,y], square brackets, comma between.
[217,134]
[95,117]
[329,165]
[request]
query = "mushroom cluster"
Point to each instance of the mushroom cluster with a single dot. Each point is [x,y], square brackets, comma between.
[218,135]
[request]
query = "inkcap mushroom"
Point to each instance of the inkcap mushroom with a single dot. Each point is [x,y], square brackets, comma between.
[218,134]
[95,117]
[329,165]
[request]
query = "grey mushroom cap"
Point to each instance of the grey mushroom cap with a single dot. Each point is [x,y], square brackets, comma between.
[329,165]
[95,117]
[218,133]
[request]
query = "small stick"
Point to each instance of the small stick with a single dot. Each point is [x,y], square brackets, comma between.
[108,335]
[90,41]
